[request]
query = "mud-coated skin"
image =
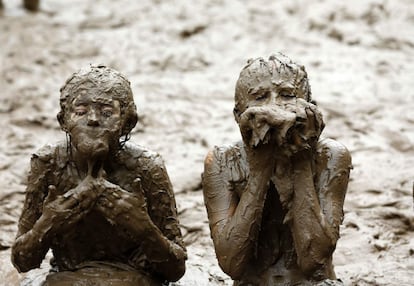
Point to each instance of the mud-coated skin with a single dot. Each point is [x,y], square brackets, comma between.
[105,207]
[95,238]
[275,199]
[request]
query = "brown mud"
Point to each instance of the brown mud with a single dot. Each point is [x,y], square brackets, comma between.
[275,199]
[183,59]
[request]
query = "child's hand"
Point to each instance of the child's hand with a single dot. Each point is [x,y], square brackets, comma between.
[65,210]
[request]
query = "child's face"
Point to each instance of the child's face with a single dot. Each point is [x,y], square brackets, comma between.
[94,122]
[275,109]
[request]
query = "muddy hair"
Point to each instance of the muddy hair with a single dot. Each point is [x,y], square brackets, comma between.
[107,81]
[256,69]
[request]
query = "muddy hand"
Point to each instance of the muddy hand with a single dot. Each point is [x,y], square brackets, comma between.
[115,200]
[308,127]
[121,207]
[262,125]
[90,187]
[64,211]
[96,170]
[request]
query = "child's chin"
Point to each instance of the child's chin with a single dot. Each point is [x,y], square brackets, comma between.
[94,149]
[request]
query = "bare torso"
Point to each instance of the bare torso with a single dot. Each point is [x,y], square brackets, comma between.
[95,239]
[273,260]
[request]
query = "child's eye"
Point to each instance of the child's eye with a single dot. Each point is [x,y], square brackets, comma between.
[107,112]
[287,93]
[79,111]
[262,96]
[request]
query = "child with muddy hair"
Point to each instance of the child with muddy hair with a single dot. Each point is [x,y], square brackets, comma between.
[275,199]
[104,206]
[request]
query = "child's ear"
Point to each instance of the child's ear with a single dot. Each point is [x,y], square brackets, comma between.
[61,119]
[129,124]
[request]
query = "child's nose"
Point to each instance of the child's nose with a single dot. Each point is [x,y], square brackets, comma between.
[273,98]
[92,118]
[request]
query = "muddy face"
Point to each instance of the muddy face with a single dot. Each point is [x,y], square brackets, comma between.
[94,123]
[272,106]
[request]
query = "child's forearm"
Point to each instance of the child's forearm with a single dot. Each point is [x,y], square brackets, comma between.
[31,247]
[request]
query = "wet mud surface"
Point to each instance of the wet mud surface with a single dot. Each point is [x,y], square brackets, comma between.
[183,59]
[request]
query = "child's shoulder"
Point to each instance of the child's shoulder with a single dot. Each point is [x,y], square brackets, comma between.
[50,152]
[133,156]
[229,161]
[229,154]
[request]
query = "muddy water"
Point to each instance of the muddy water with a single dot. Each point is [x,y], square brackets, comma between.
[183,59]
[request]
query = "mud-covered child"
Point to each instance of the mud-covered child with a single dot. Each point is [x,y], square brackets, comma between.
[275,199]
[104,206]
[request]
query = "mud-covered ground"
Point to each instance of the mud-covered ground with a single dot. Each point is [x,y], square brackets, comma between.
[183,58]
